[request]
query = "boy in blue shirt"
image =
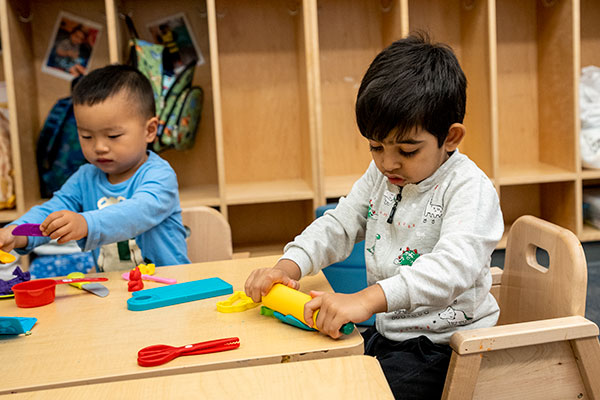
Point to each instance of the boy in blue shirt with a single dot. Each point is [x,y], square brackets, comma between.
[429,216]
[124,204]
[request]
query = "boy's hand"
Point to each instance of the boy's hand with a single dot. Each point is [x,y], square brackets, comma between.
[8,241]
[260,281]
[336,309]
[65,226]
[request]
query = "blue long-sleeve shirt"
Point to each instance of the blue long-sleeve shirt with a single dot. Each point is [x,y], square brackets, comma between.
[145,207]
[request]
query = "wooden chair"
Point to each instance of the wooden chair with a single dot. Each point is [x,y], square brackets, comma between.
[210,234]
[542,347]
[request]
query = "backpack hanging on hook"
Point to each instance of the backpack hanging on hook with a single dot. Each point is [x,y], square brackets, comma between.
[178,102]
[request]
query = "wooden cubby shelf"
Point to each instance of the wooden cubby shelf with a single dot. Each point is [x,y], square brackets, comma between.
[278,136]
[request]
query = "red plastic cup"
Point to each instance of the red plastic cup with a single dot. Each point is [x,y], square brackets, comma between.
[40,292]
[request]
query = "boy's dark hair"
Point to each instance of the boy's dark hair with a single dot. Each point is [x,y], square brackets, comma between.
[412,83]
[102,83]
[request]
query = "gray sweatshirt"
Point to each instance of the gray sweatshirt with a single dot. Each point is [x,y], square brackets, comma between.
[431,259]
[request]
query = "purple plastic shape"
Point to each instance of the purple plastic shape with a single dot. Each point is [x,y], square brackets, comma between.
[27,230]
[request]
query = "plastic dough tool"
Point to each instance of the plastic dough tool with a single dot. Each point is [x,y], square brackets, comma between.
[162,353]
[6,258]
[237,302]
[287,305]
[96,288]
[178,293]
[27,230]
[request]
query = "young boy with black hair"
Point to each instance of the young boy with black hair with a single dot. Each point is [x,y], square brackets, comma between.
[429,216]
[124,204]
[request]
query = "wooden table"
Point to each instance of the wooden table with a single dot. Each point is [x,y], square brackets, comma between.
[329,378]
[82,338]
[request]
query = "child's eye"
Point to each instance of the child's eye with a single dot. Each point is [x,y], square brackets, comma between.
[85,137]
[375,148]
[408,154]
[114,136]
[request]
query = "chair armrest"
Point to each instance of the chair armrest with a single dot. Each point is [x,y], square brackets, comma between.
[522,334]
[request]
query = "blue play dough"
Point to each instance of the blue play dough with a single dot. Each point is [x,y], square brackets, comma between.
[178,293]
[16,325]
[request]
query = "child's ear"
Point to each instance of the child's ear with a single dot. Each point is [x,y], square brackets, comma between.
[151,129]
[456,133]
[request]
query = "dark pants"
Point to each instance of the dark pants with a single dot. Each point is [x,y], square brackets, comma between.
[415,368]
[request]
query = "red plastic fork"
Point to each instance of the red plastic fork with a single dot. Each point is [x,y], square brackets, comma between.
[161,353]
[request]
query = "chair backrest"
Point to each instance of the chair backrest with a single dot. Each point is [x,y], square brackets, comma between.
[530,291]
[210,234]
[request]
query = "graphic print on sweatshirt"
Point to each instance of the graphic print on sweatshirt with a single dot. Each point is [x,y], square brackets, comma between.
[455,317]
[435,207]
[371,213]
[407,257]
[123,255]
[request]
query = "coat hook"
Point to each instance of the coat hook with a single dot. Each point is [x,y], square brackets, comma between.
[202,12]
[24,19]
[129,14]
[468,5]
[221,14]
[293,7]
[386,5]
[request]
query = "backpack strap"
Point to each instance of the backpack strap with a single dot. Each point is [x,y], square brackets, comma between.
[131,28]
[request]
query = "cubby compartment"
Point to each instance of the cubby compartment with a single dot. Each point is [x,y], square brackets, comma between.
[28,28]
[351,34]
[590,49]
[553,201]
[196,168]
[537,76]
[590,33]
[589,231]
[265,228]
[465,26]
[8,213]
[267,138]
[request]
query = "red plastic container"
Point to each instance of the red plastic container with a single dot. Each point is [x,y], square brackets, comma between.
[40,292]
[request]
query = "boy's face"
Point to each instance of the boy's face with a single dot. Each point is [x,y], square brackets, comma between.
[77,37]
[415,157]
[114,137]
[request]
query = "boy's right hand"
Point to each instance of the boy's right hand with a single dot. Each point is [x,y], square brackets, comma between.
[261,280]
[8,241]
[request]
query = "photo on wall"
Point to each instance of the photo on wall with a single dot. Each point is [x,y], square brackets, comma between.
[175,34]
[71,46]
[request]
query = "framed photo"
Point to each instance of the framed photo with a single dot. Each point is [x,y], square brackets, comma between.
[71,46]
[175,34]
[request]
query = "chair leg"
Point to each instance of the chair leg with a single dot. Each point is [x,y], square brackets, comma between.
[463,372]
[587,354]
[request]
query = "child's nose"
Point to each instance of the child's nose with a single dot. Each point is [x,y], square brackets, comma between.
[100,146]
[390,162]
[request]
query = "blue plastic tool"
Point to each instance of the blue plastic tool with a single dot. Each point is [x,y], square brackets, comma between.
[16,325]
[179,293]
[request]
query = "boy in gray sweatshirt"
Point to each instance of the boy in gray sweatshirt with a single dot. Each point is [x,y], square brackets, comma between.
[429,216]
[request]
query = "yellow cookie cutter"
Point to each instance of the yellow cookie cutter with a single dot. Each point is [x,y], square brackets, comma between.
[6,258]
[237,302]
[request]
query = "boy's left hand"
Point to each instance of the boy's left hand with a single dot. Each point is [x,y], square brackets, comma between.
[335,309]
[65,226]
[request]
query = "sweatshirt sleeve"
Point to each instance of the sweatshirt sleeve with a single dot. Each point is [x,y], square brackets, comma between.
[331,238]
[152,202]
[67,198]
[472,226]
